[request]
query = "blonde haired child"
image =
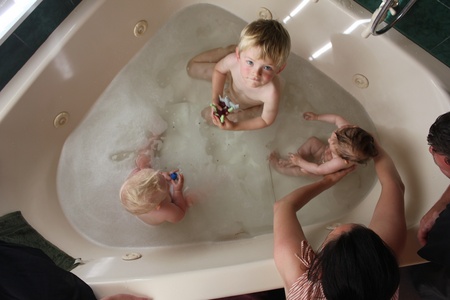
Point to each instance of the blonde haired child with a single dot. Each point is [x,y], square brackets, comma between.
[153,196]
[247,74]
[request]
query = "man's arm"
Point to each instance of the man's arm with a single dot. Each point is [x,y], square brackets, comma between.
[428,220]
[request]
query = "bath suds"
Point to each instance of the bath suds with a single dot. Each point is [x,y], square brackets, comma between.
[226,173]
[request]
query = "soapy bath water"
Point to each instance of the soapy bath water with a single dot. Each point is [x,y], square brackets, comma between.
[227,173]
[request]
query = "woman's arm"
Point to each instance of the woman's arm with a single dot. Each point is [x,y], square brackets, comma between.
[388,219]
[288,233]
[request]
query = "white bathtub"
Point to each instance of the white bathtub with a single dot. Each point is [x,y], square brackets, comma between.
[407,91]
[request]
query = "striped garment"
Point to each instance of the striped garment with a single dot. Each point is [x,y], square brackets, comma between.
[302,288]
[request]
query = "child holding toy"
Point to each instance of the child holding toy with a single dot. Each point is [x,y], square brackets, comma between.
[348,145]
[247,74]
[153,196]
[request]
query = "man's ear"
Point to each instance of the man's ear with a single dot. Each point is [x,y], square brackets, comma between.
[281,69]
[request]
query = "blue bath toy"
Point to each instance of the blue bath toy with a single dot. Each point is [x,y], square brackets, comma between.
[227,106]
[174,176]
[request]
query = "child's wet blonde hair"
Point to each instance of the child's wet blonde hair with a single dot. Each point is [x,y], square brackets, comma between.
[142,193]
[270,36]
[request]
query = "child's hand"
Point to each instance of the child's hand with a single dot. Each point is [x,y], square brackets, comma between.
[167,174]
[310,116]
[178,183]
[226,125]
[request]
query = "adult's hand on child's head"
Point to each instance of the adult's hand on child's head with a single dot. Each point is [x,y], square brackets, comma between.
[309,116]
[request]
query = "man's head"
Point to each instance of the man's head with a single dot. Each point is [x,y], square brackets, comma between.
[439,141]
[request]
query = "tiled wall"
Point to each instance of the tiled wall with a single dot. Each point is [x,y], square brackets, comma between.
[27,38]
[427,24]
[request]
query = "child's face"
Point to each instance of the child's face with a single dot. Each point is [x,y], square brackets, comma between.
[255,71]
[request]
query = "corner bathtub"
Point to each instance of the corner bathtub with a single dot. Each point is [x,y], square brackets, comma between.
[407,91]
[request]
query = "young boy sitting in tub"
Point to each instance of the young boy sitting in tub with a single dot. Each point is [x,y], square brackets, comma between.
[153,196]
[247,75]
[348,145]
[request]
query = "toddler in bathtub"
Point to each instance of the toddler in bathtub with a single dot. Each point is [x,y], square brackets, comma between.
[247,74]
[347,146]
[153,196]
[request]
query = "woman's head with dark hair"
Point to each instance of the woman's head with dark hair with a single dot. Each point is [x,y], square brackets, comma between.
[356,264]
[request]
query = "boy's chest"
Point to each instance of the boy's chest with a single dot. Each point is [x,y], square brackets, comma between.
[245,96]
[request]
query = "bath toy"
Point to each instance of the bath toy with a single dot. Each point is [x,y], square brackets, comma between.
[227,106]
[174,176]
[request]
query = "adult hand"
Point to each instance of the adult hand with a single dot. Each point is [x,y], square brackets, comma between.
[337,176]
[426,223]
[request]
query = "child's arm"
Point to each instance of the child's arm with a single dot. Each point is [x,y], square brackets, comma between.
[252,124]
[268,116]
[219,77]
[178,207]
[178,198]
[329,118]
[328,167]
